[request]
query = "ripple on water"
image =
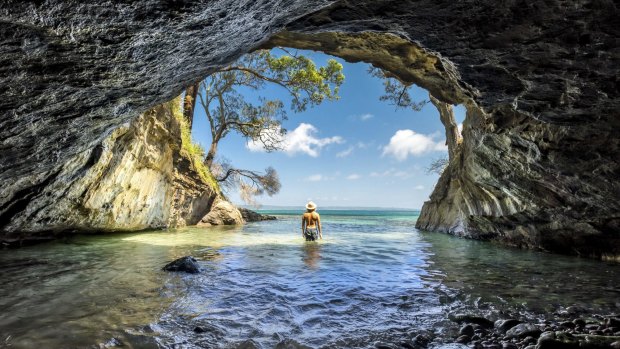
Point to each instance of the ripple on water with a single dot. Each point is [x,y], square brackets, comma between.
[371,279]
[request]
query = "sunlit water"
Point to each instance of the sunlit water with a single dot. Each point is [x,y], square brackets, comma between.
[373,278]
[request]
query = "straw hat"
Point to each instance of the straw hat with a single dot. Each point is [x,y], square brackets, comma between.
[310,206]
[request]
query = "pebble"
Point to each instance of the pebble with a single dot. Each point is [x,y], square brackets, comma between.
[505,325]
[523,330]
[467,330]
[464,339]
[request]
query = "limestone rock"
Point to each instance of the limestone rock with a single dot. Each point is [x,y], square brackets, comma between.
[222,213]
[136,178]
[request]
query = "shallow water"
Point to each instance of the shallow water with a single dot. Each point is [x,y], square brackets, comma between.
[373,278]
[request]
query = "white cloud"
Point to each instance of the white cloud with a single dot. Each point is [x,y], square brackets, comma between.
[419,187]
[300,140]
[315,178]
[345,153]
[407,142]
[366,116]
[460,128]
[353,176]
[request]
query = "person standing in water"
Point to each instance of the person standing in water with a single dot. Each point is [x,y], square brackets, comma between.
[311,223]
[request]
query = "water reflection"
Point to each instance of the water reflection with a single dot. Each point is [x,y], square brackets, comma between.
[311,254]
[373,278]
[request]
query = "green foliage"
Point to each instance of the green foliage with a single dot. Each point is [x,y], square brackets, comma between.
[396,92]
[228,110]
[193,151]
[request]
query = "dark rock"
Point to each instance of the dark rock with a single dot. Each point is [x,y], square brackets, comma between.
[421,340]
[380,345]
[579,322]
[246,344]
[252,216]
[464,339]
[408,345]
[509,345]
[291,344]
[199,329]
[186,264]
[567,324]
[523,330]
[505,325]
[615,345]
[612,322]
[467,330]
[472,319]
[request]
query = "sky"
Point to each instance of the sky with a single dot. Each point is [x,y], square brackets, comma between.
[354,152]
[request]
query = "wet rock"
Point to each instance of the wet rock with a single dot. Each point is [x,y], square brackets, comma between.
[579,322]
[467,330]
[615,345]
[567,324]
[291,344]
[247,344]
[186,264]
[380,345]
[252,216]
[509,345]
[472,319]
[222,213]
[523,330]
[612,322]
[452,346]
[504,325]
[421,340]
[464,339]
[199,329]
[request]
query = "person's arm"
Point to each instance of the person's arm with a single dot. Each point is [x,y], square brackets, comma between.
[303,225]
[318,224]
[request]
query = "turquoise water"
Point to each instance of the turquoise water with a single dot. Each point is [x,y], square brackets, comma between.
[373,278]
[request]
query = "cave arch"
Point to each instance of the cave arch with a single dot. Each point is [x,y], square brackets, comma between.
[539,167]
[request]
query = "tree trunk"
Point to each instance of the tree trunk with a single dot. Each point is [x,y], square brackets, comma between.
[190,103]
[446,115]
[211,154]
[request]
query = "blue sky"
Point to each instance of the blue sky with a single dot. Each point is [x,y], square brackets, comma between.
[357,151]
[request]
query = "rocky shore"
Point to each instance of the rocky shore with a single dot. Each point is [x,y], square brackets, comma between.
[564,331]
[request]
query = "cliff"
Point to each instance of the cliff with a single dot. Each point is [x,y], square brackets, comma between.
[143,175]
[538,165]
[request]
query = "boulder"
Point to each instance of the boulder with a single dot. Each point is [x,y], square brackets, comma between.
[186,264]
[222,213]
[253,216]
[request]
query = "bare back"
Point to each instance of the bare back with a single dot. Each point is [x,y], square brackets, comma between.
[310,219]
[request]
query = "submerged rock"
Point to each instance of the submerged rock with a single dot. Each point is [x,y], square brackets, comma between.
[186,264]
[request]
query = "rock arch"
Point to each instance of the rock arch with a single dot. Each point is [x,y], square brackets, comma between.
[539,164]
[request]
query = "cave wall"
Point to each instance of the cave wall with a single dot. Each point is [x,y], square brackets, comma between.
[538,166]
[139,177]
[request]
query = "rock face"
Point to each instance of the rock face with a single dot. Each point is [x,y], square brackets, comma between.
[137,178]
[538,166]
[222,213]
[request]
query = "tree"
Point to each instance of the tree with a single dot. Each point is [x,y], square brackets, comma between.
[438,165]
[396,91]
[249,183]
[228,110]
